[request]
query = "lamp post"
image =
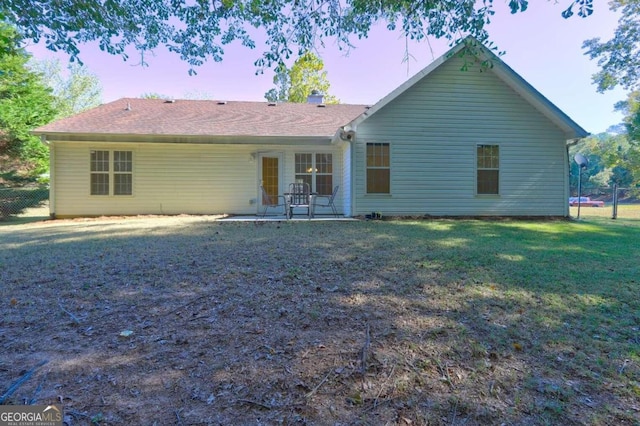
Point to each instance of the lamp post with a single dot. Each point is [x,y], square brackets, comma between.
[582,163]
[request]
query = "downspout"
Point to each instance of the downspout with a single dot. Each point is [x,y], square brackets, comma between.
[347,134]
[52,176]
[352,184]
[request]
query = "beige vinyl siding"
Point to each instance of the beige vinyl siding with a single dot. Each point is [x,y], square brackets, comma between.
[171,178]
[433,130]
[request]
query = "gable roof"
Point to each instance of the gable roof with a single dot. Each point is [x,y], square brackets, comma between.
[158,117]
[501,70]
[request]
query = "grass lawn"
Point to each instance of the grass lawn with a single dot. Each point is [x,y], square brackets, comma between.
[625,211]
[381,322]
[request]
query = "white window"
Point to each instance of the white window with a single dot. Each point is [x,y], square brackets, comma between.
[378,168]
[111,172]
[316,170]
[488,169]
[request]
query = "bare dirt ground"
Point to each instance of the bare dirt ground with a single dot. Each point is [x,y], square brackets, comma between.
[187,321]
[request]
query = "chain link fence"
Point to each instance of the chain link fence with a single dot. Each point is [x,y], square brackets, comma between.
[607,193]
[15,200]
[618,202]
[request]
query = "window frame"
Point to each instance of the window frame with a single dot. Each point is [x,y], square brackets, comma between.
[113,176]
[374,167]
[314,173]
[99,171]
[490,168]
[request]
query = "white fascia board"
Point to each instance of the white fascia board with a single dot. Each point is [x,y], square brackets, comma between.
[189,139]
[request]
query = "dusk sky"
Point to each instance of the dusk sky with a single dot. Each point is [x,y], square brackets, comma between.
[540,45]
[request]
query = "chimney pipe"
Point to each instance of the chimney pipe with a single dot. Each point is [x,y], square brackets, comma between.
[315,97]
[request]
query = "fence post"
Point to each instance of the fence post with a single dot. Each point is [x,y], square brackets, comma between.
[614,214]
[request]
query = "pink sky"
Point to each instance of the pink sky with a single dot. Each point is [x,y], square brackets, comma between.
[540,45]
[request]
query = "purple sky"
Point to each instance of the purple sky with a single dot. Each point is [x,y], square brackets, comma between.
[540,45]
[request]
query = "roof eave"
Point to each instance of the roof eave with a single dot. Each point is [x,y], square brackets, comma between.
[186,139]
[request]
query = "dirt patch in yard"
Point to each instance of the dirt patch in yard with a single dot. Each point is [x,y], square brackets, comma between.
[183,320]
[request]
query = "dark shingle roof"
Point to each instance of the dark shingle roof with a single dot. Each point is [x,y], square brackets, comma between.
[207,118]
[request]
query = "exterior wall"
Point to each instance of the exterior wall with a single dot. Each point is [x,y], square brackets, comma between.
[172,178]
[433,130]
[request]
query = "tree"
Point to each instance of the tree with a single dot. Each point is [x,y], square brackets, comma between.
[631,110]
[612,159]
[630,152]
[198,30]
[74,91]
[282,80]
[619,58]
[25,103]
[296,83]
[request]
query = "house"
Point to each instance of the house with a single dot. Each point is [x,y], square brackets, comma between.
[466,136]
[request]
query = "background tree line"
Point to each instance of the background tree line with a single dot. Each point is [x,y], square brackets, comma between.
[32,94]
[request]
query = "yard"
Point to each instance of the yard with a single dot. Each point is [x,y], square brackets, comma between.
[185,320]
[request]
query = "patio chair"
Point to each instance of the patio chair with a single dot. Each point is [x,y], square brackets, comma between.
[299,196]
[328,200]
[268,201]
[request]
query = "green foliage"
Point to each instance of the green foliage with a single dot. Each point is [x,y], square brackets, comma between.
[618,58]
[25,103]
[283,83]
[631,110]
[199,30]
[612,159]
[75,90]
[296,83]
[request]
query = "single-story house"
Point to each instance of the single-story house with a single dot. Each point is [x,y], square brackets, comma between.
[466,136]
